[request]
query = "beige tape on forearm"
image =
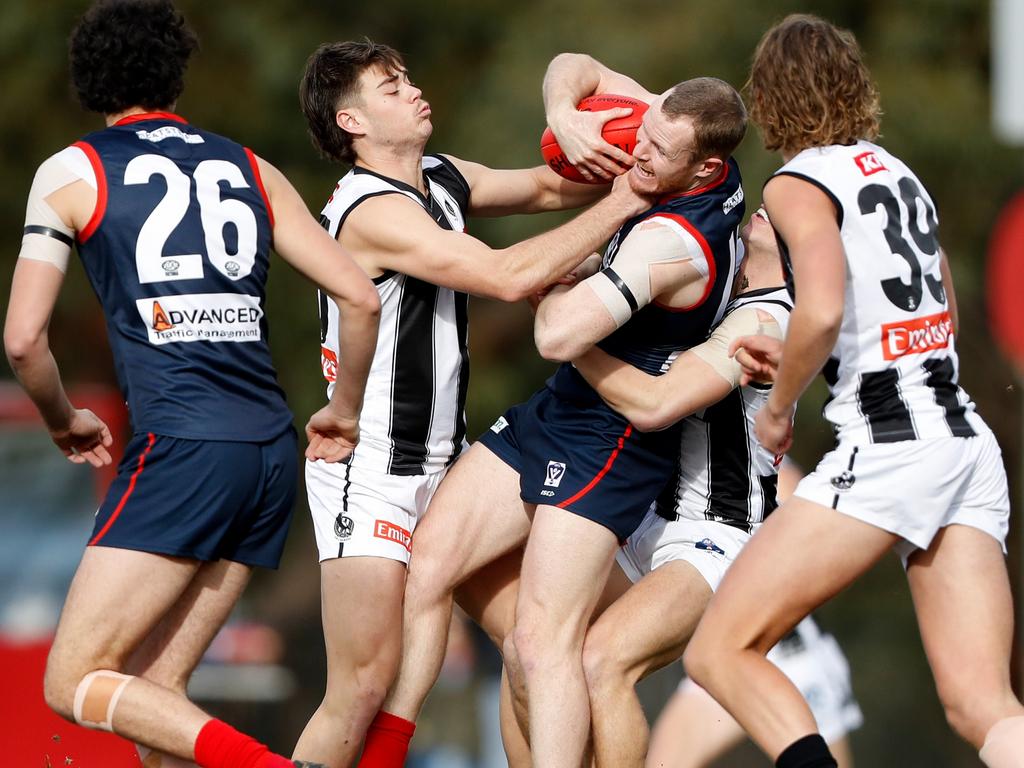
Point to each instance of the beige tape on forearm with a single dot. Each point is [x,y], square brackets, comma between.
[743,322]
[96,698]
[1004,744]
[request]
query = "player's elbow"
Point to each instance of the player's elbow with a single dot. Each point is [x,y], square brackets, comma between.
[556,343]
[21,343]
[363,301]
[652,418]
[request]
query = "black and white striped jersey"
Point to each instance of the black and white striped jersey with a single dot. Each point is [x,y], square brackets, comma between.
[893,372]
[723,473]
[413,418]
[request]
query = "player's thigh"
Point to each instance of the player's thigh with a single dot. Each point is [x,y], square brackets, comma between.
[692,730]
[174,648]
[475,517]
[803,555]
[116,599]
[649,626]
[362,612]
[565,568]
[964,608]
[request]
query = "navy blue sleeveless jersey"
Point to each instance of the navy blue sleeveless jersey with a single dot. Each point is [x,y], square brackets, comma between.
[712,215]
[177,251]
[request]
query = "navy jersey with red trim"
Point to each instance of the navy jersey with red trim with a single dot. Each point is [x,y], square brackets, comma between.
[712,216]
[178,254]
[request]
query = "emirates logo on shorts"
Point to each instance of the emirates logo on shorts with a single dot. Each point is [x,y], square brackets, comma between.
[343,526]
[844,481]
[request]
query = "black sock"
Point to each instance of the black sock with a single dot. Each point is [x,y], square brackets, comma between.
[808,752]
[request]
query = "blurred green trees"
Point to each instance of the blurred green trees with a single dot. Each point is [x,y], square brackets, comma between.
[480,64]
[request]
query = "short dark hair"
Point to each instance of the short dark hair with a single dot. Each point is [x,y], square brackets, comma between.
[719,117]
[331,80]
[130,53]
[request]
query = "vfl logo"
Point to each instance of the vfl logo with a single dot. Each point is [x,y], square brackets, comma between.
[343,527]
[869,163]
[171,267]
[232,267]
[709,546]
[844,481]
[555,473]
[912,337]
[499,425]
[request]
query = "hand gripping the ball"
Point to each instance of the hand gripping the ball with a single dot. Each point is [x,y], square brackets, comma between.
[593,143]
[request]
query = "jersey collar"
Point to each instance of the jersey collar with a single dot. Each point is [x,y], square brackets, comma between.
[138,118]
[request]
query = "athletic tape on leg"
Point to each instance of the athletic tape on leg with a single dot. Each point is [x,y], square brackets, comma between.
[96,698]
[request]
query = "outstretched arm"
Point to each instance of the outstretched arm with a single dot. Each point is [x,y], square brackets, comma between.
[698,378]
[569,78]
[303,243]
[528,190]
[420,248]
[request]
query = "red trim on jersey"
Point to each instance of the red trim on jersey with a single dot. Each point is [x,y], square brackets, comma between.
[101,190]
[708,257]
[127,493]
[699,190]
[259,183]
[604,471]
[151,116]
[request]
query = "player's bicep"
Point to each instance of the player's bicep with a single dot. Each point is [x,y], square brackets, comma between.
[621,85]
[418,247]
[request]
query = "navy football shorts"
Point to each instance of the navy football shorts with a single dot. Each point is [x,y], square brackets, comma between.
[202,499]
[585,458]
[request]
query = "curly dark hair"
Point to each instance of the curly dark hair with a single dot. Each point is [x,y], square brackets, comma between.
[809,87]
[130,53]
[330,81]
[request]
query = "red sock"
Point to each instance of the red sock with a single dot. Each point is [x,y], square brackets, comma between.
[218,745]
[387,741]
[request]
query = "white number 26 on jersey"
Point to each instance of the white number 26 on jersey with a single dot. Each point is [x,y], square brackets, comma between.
[155,266]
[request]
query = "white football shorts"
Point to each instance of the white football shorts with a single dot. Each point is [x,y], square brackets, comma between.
[914,488]
[359,512]
[708,546]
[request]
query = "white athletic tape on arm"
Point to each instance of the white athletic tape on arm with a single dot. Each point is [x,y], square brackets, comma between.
[624,287]
[47,238]
[96,698]
[743,322]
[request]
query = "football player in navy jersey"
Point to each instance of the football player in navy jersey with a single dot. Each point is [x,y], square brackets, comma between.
[174,227]
[915,468]
[564,462]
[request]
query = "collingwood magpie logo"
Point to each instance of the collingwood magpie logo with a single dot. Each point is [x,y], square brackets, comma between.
[343,527]
[844,481]
[555,473]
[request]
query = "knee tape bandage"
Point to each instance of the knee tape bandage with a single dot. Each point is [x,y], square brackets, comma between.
[96,698]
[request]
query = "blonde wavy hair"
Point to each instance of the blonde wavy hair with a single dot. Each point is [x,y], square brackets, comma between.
[809,87]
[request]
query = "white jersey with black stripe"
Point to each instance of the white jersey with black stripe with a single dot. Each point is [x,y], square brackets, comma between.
[413,420]
[724,474]
[893,372]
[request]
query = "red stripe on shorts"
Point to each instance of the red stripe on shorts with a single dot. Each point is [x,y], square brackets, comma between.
[128,491]
[604,471]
